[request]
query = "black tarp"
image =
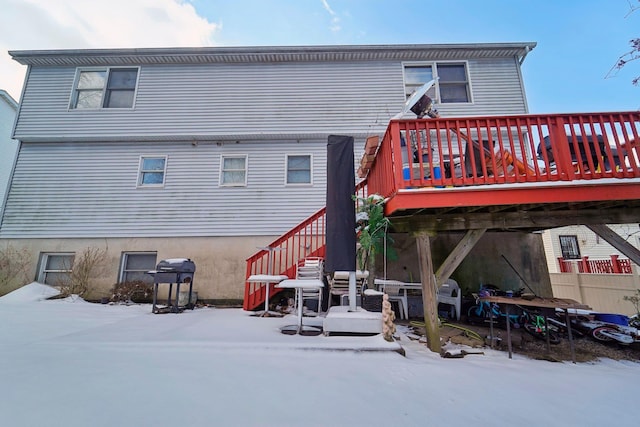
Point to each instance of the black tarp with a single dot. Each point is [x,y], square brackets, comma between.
[341,211]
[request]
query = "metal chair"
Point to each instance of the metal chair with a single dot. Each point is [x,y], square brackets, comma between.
[311,269]
[339,284]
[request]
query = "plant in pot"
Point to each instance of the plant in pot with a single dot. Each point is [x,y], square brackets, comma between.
[372,231]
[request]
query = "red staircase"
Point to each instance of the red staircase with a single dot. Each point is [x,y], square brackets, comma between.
[306,239]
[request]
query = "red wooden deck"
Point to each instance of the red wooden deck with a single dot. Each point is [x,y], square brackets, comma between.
[490,163]
[486,172]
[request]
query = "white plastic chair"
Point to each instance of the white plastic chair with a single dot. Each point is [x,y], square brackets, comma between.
[449,293]
[397,293]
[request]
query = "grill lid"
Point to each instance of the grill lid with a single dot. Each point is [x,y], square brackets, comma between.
[180,265]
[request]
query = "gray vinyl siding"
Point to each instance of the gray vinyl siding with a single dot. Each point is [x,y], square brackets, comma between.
[89,190]
[235,101]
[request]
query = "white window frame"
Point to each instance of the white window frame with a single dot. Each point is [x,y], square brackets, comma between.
[286,170]
[123,265]
[222,170]
[437,99]
[141,171]
[44,260]
[73,100]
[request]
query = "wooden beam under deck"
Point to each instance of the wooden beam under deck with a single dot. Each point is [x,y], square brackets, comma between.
[517,219]
[495,195]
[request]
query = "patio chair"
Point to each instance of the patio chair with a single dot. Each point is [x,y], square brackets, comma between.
[311,269]
[398,294]
[449,293]
[339,285]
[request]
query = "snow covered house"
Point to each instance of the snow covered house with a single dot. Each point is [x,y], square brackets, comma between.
[209,153]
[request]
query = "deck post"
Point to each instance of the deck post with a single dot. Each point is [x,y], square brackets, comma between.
[429,300]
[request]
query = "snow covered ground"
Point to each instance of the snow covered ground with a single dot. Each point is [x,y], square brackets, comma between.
[72,363]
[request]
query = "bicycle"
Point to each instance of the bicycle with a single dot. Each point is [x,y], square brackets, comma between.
[538,326]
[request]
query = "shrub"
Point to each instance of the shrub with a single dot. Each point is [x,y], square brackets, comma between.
[133,291]
[89,264]
[13,268]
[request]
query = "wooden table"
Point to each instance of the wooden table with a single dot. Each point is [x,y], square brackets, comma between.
[537,302]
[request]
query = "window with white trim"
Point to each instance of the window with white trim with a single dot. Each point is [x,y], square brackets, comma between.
[298,169]
[233,170]
[152,171]
[55,268]
[134,266]
[104,88]
[452,81]
[569,247]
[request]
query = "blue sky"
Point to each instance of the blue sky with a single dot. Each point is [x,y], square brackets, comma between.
[578,41]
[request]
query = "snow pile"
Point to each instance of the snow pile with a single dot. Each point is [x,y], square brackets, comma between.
[32,292]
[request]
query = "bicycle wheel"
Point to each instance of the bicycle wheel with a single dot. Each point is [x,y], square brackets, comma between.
[541,334]
[599,336]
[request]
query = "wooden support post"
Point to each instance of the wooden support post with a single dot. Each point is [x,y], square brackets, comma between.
[429,299]
[458,254]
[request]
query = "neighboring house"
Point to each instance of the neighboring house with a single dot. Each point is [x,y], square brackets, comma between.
[8,146]
[573,243]
[208,153]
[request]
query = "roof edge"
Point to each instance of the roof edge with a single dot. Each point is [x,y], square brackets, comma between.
[262,53]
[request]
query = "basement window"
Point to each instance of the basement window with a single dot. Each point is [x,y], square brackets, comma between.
[55,268]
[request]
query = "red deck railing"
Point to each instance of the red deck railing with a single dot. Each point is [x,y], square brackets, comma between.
[506,150]
[614,265]
[306,239]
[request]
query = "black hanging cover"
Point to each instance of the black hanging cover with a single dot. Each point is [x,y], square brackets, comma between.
[341,211]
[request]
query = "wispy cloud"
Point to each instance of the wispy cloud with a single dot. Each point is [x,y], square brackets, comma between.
[76,24]
[335,19]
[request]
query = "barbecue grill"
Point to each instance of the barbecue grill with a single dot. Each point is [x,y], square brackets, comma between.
[175,270]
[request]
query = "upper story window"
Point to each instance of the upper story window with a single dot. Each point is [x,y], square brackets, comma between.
[104,88]
[569,247]
[152,171]
[298,169]
[452,84]
[233,171]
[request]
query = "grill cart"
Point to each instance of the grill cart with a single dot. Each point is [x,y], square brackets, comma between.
[178,271]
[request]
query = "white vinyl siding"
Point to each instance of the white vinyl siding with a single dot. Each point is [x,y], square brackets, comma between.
[60,190]
[233,102]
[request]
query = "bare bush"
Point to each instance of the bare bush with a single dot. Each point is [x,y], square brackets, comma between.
[133,291]
[86,266]
[14,264]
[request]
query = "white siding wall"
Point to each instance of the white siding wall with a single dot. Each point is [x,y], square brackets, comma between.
[89,190]
[590,244]
[231,100]
[8,146]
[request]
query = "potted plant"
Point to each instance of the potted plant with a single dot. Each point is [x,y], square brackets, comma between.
[372,230]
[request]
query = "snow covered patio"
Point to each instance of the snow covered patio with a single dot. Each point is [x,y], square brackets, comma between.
[74,363]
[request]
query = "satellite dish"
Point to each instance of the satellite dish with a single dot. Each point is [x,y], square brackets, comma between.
[419,103]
